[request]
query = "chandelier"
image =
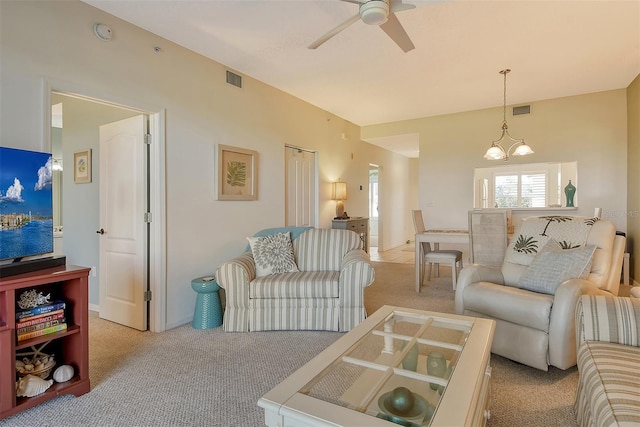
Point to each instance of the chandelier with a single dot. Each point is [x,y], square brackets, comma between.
[497,151]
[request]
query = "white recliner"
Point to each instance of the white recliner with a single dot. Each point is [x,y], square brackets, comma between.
[536,326]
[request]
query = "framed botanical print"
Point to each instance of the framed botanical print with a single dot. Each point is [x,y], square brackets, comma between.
[82,166]
[237,173]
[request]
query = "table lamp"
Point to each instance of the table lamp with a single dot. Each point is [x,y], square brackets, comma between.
[339,193]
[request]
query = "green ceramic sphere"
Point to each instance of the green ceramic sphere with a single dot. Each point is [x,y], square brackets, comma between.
[402,400]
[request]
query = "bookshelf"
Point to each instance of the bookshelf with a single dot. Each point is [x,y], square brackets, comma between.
[71,347]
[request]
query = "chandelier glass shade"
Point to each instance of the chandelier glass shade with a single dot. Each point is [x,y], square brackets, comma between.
[519,147]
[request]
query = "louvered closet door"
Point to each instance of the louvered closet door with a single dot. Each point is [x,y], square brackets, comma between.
[300,187]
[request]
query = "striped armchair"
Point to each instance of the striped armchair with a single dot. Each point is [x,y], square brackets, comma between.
[326,294]
[608,338]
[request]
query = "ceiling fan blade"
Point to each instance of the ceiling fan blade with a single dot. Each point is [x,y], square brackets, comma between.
[394,29]
[333,32]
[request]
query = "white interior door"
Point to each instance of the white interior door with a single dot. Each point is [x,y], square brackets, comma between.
[300,187]
[123,229]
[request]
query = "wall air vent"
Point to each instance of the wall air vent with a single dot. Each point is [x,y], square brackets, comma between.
[522,109]
[234,79]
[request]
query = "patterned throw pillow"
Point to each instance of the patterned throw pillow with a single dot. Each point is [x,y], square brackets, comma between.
[273,254]
[553,265]
[534,233]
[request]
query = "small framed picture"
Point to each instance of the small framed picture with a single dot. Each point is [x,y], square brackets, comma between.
[237,173]
[82,166]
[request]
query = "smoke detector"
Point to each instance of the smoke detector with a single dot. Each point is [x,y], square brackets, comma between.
[102,31]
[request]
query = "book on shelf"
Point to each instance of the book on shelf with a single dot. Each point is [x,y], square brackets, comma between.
[40,332]
[41,309]
[39,318]
[38,326]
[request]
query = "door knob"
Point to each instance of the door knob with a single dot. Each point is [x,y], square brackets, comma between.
[101,231]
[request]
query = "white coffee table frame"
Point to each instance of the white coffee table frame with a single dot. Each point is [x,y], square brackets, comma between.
[465,402]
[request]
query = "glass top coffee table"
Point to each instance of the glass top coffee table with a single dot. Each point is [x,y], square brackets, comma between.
[400,366]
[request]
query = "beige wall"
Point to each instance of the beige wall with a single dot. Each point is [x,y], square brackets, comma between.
[633,165]
[50,45]
[590,129]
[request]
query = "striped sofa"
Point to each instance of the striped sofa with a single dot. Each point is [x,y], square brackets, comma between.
[326,294]
[608,337]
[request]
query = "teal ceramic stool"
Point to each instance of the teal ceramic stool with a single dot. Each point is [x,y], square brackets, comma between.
[208,313]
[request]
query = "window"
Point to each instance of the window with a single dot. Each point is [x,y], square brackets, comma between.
[520,190]
[523,186]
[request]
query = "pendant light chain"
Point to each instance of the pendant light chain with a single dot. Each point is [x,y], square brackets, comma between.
[504,98]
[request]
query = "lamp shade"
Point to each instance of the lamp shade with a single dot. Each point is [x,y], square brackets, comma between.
[339,191]
[494,153]
[522,150]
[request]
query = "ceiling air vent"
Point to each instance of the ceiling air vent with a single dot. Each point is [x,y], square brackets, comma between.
[523,109]
[234,79]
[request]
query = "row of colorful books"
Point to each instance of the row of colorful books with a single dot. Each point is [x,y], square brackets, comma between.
[41,320]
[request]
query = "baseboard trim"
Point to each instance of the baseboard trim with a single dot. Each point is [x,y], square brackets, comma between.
[180,322]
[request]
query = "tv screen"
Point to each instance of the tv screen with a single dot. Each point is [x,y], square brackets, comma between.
[26,203]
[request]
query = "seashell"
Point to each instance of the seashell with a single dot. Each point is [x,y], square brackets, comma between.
[63,373]
[32,385]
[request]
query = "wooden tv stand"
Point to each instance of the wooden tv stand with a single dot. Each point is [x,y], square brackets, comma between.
[71,347]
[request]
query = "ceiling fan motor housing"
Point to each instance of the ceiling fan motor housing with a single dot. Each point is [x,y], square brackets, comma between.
[374,12]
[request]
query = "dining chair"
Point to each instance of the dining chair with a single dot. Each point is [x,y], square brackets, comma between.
[451,257]
[488,235]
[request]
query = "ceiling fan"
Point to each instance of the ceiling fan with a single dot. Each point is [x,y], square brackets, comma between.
[376,12]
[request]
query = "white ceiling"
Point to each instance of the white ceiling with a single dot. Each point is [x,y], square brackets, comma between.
[554,49]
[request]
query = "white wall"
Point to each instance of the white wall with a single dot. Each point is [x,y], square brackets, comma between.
[201,111]
[590,129]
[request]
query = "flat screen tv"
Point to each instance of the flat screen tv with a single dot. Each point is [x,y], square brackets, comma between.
[26,204]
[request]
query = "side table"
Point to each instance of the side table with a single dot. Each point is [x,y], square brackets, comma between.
[208,312]
[358,224]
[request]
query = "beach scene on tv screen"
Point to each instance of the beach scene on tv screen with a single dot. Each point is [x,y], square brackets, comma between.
[26,210]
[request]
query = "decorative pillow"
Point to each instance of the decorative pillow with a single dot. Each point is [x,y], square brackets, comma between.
[535,232]
[273,254]
[553,265]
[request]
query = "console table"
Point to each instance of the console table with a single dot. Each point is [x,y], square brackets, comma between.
[358,224]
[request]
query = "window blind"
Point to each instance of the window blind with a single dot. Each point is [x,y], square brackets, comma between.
[520,190]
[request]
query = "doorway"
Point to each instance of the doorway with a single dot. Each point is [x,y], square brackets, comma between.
[374,203]
[80,204]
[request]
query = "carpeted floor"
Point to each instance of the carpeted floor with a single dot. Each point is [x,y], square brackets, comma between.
[189,377]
